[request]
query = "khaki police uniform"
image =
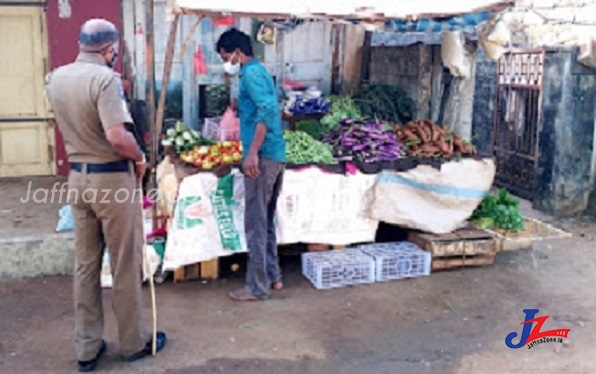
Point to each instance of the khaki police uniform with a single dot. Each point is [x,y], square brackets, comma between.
[87,98]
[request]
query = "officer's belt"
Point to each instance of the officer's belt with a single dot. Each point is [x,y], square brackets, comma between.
[122,166]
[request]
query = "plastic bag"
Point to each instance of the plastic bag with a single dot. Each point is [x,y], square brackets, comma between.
[200,64]
[229,121]
[495,40]
[453,54]
[66,221]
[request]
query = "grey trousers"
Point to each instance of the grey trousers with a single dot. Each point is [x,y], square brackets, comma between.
[261,196]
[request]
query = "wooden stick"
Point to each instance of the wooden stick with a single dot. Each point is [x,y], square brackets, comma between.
[166,75]
[150,94]
[189,36]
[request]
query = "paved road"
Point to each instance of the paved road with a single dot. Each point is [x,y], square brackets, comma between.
[451,322]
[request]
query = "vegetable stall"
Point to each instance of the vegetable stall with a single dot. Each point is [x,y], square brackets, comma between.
[353,161]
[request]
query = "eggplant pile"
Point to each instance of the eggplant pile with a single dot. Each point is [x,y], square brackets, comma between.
[366,141]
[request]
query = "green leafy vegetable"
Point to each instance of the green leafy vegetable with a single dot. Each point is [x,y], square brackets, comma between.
[302,148]
[386,103]
[310,126]
[342,107]
[500,212]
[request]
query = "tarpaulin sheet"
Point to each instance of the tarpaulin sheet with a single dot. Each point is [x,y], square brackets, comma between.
[345,9]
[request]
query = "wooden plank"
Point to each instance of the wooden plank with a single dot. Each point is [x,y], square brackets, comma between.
[352,58]
[210,269]
[187,273]
[446,263]
[465,242]
[317,247]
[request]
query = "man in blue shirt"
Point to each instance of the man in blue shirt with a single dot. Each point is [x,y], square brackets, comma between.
[263,162]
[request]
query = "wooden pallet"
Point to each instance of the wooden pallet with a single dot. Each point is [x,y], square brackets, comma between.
[461,248]
[318,247]
[201,270]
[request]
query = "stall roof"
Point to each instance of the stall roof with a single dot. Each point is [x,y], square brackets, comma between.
[339,9]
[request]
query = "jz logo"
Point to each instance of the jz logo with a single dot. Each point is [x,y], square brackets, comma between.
[533,336]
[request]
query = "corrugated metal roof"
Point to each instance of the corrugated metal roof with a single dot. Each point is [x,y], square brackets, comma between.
[344,9]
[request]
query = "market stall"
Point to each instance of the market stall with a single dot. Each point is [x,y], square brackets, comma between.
[353,161]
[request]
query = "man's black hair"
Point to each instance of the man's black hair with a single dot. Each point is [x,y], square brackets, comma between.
[234,39]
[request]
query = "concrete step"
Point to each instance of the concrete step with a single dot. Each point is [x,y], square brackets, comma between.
[33,255]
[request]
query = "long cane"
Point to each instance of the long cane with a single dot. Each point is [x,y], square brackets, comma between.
[151,288]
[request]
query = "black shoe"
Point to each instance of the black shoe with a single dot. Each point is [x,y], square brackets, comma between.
[160,343]
[88,366]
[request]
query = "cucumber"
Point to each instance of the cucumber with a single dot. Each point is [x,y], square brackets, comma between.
[180,141]
[166,143]
[171,133]
[186,135]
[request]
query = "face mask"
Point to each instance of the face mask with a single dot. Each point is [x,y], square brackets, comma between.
[111,63]
[230,68]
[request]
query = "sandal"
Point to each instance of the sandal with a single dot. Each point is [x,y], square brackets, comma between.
[243,295]
[277,285]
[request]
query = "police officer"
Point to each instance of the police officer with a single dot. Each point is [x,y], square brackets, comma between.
[106,165]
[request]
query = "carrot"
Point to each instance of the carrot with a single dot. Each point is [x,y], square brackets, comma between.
[409,134]
[424,136]
[443,146]
[428,148]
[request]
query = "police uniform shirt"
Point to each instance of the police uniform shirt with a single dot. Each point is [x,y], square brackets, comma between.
[87,98]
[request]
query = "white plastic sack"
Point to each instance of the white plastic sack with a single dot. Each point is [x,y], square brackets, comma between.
[208,220]
[167,184]
[454,55]
[319,207]
[430,200]
[66,220]
[151,261]
[587,53]
[495,40]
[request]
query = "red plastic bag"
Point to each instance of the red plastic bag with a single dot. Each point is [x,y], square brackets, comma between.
[200,64]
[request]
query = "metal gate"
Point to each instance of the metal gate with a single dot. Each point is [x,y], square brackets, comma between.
[517,120]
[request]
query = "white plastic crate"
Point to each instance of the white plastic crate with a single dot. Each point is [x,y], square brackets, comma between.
[212,131]
[336,269]
[398,260]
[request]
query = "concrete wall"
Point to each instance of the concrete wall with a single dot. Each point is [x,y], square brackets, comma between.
[484,103]
[407,67]
[419,71]
[566,140]
[552,22]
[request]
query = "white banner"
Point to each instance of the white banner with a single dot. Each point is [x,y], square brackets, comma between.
[313,207]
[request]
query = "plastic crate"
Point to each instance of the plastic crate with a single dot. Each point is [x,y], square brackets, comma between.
[333,269]
[212,131]
[398,260]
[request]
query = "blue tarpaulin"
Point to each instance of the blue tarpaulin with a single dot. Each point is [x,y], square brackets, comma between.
[462,22]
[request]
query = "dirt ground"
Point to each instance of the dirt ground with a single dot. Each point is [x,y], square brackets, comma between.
[26,211]
[451,322]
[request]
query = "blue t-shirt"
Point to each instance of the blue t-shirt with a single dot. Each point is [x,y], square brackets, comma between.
[257,103]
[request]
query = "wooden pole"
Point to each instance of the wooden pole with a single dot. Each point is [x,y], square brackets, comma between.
[150,100]
[165,80]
